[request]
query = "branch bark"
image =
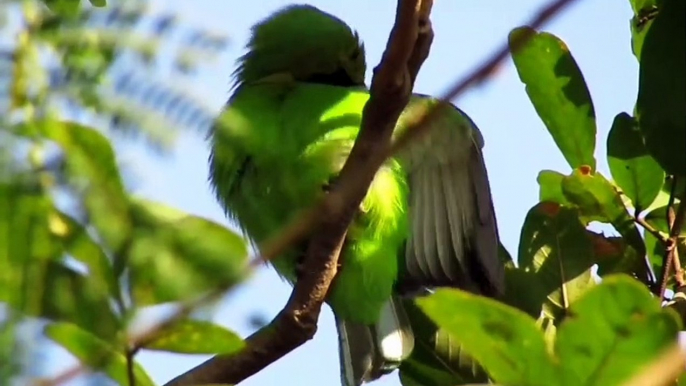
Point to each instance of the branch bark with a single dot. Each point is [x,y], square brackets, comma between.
[391,87]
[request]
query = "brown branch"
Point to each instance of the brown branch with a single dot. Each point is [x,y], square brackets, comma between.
[297,322]
[671,253]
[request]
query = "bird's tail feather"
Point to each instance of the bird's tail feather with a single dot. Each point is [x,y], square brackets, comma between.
[369,351]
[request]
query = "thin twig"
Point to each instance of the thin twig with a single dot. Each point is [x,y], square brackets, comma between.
[671,254]
[661,237]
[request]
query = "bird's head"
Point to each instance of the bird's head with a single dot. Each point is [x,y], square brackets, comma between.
[305,44]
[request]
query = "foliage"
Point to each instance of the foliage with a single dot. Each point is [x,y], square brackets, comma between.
[87,270]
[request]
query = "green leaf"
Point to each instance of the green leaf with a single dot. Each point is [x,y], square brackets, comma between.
[64,7]
[644,14]
[598,200]
[655,250]
[632,168]
[629,329]
[25,235]
[92,166]
[438,358]
[177,256]
[95,353]
[504,340]
[558,92]
[555,248]
[196,337]
[661,95]
[78,244]
[550,183]
[98,3]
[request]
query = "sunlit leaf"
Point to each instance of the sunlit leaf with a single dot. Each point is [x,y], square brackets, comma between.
[558,92]
[98,354]
[196,337]
[504,340]
[598,200]
[177,256]
[629,329]
[632,168]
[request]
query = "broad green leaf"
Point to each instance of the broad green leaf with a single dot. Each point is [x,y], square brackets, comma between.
[78,244]
[504,340]
[557,89]
[92,166]
[64,7]
[99,3]
[556,250]
[615,329]
[661,95]
[197,337]
[656,251]
[177,256]
[632,168]
[644,14]
[598,200]
[550,183]
[96,354]
[438,358]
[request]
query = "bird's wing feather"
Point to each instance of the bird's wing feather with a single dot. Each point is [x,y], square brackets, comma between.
[453,232]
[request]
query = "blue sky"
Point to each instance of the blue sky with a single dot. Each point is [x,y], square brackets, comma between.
[517,144]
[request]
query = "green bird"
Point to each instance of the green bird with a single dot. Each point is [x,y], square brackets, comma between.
[427,220]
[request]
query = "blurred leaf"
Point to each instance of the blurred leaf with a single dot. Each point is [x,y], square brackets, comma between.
[438,358]
[558,92]
[79,244]
[660,104]
[95,353]
[64,7]
[555,248]
[99,3]
[506,341]
[92,166]
[644,14]
[550,183]
[629,329]
[197,337]
[65,295]
[632,168]
[598,200]
[177,256]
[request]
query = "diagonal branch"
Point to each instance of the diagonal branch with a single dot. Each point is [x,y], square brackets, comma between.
[390,91]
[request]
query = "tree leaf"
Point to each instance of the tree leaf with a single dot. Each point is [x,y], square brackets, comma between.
[597,199]
[632,168]
[98,3]
[196,337]
[555,248]
[550,183]
[629,330]
[95,353]
[438,358]
[78,243]
[661,97]
[644,14]
[177,256]
[558,92]
[92,166]
[504,340]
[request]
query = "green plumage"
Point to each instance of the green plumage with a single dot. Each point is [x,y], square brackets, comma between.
[427,219]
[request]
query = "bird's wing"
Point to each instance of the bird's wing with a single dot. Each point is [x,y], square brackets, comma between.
[453,232]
